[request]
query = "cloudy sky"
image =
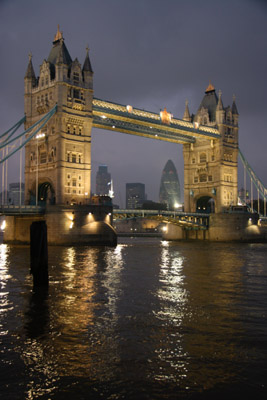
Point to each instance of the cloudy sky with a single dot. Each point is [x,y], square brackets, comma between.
[150,54]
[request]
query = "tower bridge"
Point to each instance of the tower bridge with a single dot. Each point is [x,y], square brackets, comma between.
[60,111]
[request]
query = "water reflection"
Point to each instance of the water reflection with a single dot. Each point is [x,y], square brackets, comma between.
[147,319]
[173,298]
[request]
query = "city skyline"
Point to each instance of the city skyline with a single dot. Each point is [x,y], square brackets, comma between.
[128,70]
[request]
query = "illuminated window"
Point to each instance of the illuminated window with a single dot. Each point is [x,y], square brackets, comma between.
[80,130]
[73,158]
[68,128]
[74,129]
[74,182]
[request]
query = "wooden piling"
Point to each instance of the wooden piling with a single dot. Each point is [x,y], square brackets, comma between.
[39,253]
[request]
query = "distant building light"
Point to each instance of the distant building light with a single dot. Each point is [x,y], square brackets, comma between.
[129,109]
[71,224]
[103,116]
[113,126]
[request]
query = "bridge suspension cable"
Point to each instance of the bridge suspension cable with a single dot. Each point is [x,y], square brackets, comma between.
[261,190]
[17,143]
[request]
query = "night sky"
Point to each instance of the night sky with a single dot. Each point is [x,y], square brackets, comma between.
[150,54]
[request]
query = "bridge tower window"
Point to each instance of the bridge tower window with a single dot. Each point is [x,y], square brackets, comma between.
[76,77]
[203,178]
[202,158]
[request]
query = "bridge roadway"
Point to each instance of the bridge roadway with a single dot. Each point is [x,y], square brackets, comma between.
[187,220]
[197,221]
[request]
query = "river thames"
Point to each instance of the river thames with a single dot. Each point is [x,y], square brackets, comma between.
[148,319]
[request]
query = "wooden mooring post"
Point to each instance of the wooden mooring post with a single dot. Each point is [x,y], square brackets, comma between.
[39,253]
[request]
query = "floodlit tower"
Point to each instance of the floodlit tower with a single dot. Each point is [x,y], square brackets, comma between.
[210,165]
[58,163]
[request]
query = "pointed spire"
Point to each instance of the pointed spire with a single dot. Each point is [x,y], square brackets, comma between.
[30,71]
[186,116]
[220,104]
[87,64]
[234,108]
[210,88]
[58,35]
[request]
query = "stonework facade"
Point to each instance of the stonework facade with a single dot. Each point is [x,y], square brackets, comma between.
[210,165]
[60,159]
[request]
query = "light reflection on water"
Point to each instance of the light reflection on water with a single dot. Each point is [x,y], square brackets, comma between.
[147,319]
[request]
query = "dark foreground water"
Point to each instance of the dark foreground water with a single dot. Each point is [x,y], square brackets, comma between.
[145,320]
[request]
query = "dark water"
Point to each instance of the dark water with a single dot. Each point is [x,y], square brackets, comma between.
[145,320]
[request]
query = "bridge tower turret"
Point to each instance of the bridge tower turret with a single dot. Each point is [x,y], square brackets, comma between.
[210,165]
[60,159]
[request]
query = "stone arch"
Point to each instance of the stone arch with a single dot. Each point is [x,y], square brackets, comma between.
[46,193]
[205,204]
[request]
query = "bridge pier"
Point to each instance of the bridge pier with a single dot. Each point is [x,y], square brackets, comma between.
[66,225]
[223,227]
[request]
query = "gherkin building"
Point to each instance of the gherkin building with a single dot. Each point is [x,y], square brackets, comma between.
[169,192]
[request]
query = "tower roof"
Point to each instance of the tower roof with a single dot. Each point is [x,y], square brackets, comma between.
[210,101]
[87,64]
[210,88]
[59,51]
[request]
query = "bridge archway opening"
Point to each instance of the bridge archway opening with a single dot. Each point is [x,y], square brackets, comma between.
[205,204]
[46,194]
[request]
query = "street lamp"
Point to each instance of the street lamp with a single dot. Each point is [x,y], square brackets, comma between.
[38,136]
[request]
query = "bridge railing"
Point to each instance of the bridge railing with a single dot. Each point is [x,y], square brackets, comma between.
[17,210]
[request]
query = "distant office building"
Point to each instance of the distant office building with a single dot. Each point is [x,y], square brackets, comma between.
[169,192]
[14,196]
[135,195]
[243,196]
[103,180]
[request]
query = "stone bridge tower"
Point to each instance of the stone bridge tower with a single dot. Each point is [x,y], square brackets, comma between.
[210,166]
[59,161]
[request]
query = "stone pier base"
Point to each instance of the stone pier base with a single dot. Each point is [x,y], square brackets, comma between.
[66,225]
[223,227]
